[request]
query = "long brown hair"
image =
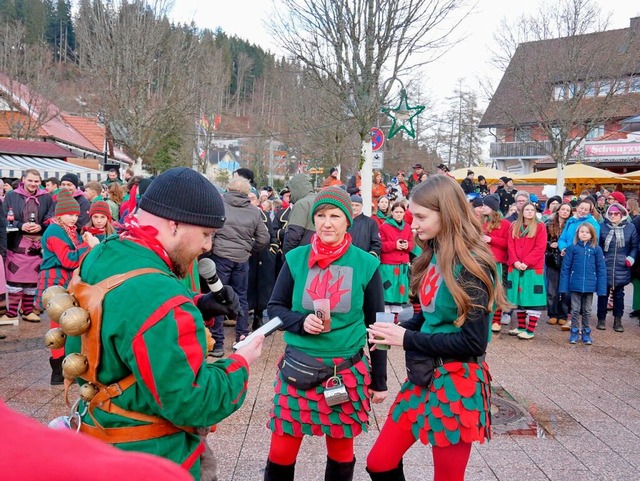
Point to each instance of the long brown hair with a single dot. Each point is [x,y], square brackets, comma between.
[495,220]
[592,231]
[518,226]
[554,229]
[458,242]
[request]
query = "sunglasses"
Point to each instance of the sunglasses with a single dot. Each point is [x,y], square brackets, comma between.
[614,213]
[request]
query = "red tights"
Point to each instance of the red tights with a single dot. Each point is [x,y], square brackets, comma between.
[284,449]
[449,463]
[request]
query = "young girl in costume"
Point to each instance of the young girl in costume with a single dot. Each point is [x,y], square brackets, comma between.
[100,221]
[456,281]
[382,212]
[526,286]
[62,249]
[495,230]
[583,273]
[397,243]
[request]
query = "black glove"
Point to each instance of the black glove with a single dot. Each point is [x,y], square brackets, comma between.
[222,303]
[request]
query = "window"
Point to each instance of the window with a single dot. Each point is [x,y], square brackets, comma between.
[619,87]
[522,134]
[634,85]
[590,89]
[605,88]
[596,132]
[573,90]
[558,92]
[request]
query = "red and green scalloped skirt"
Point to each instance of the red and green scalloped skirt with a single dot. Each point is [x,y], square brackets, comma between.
[457,407]
[297,412]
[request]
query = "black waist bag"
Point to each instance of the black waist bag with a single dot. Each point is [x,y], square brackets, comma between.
[305,372]
[419,368]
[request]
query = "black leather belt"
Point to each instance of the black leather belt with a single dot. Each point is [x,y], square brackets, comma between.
[439,361]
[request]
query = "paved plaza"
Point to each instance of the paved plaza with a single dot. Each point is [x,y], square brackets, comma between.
[562,412]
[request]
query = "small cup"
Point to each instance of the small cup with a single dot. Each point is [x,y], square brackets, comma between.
[322,308]
[384,317]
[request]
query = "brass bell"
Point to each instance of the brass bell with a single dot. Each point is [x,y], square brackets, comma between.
[49,292]
[74,365]
[88,391]
[58,304]
[55,338]
[75,321]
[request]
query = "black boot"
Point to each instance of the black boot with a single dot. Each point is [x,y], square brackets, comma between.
[56,371]
[336,471]
[279,472]
[602,325]
[396,474]
[617,324]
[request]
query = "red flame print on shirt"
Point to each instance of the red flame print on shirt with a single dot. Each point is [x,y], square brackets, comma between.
[321,288]
[429,287]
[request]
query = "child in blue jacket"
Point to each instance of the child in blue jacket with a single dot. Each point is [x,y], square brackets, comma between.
[583,273]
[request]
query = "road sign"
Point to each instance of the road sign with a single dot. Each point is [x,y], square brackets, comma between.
[316,171]
[378,160]
[377,139]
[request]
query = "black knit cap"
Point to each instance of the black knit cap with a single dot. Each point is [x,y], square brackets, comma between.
[183,195]
[73,178]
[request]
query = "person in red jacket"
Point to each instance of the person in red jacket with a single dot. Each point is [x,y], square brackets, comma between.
[496,234]
[526,287]
[397,242]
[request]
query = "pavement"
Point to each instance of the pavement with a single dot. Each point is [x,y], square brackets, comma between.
[561,412]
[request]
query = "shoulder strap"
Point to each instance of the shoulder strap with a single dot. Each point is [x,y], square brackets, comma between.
[90,297]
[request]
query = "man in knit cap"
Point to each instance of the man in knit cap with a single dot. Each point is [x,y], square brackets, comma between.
[300,227]
[154,341]
[71,183]
[32,207]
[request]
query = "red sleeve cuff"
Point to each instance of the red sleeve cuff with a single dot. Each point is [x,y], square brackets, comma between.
[243,362]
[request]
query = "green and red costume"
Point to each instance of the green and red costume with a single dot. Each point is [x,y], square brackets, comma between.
[456,408]
[353,285]
[151,328]
[394,267]
[62,249]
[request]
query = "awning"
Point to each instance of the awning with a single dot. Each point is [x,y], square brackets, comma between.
[14,165]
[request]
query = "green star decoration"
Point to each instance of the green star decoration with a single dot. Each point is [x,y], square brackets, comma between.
[403,115]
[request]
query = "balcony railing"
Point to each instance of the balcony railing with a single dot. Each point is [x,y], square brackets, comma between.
[519,150]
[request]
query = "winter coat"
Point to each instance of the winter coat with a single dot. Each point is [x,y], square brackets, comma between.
[365,234]
[300,227]
[506,199]
[528,250]
[583,270]
[615,254]
[390,234]
[499,240]
[571,227]
[243,232]
[15,200]
[468,186]
[262,270]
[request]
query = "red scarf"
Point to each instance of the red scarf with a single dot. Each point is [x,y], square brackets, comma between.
[323,254]
[145,235]
[93,230]
[71,232]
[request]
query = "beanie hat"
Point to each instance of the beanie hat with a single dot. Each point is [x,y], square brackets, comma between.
[332,170]
[614,208]
[100,207]
[183,195]
[619,197]
[492,201]
[556,198]
[337,198]
[356,198]
[246,173]
[477,202]
[143,185]
[66,204]
[73,178]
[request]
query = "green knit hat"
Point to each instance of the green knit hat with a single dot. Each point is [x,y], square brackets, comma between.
[66,204]
[337,198]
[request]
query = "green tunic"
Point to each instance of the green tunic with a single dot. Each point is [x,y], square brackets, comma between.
[152,328]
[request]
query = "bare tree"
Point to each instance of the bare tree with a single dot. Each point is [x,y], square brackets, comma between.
[143,68]
[352,46]
[559,77]
[26,80]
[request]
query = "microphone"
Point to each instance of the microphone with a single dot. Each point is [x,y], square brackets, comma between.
[207,269]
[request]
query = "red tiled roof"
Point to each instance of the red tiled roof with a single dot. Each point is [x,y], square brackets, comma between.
[10,119]
[88,128]
[33,148]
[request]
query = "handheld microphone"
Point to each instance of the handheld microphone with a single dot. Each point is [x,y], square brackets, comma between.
[207,269]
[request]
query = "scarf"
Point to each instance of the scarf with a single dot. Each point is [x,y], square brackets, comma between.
[392,221]
[71,232]
[144,235]
[323,255]
[618,232]
[381,215]
[93,230]
[31,203]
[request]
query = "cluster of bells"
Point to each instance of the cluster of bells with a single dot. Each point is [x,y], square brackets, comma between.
[62,307]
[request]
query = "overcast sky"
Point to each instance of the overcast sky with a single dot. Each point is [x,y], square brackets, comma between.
[468,60]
